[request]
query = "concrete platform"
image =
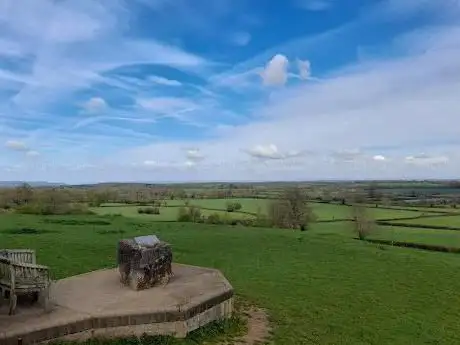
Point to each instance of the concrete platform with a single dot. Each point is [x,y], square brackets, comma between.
[97,304]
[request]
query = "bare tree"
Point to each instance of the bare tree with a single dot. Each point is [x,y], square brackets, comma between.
[291,210]
[363,222]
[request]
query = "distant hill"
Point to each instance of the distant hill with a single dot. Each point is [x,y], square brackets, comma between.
[13,184]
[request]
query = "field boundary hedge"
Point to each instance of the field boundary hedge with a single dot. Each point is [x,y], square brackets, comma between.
[421,226]
[430,247]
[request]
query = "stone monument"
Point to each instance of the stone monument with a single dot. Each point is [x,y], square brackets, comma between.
[144,261]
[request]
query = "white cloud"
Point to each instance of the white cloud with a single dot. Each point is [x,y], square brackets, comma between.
[150,163]
[427,160]
[95,105]
[73,44]
[392,106]
[379,158]
[304,68]
[16,145]
[241,38]
[32,153]
[166,105]
[271,151]
[194,155]
[275,72]
[164,81]
[389,117]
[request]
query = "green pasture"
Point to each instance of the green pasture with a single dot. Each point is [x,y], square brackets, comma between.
[167,214]
[453,221]
[319,286]
[336,211]
[321,210]
[448,238]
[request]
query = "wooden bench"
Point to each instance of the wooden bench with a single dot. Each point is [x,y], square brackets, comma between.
[19,274]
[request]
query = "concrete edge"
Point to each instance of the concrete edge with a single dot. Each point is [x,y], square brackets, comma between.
[93,323]
[178,329]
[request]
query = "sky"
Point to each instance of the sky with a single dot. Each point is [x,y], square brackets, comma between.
[229,90]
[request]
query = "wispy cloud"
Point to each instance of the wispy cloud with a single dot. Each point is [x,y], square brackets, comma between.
[314,5]
[161,111]
[16,145]
[95,105]
[241,38]
[73,44]
[165,81]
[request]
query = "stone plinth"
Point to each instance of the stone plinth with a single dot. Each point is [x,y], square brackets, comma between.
[98,304]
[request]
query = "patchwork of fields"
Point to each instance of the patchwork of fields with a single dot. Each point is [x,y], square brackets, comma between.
[323,212]
[339,280]
[322,278]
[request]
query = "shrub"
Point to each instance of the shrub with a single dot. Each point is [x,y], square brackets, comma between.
[233,206]
[291,211]
[53,209]
[189,214]
[148,210]
[214,218]
[364,225]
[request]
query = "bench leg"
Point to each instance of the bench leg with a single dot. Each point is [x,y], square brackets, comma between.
[13,301]
[44,299]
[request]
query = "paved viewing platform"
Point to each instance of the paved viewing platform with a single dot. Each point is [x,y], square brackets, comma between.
[96,304]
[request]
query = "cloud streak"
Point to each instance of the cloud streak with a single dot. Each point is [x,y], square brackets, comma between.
[160,111]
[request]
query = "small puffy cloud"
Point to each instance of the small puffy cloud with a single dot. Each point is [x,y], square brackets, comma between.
[379,158]
[164,81]
[241,38]
[267,152]
[194,155]
[426,160]
[304,68]
[32,153]
[95,105]
[16,145]
[276,71]
[149,163]
[271,152]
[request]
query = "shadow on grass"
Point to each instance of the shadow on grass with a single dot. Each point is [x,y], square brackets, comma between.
[28,231]
[110,232]
[77,221]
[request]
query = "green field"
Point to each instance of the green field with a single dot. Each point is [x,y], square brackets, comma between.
[448,238]
[167,214]
[335,211]
[453,221]
[319,287]
[208,206]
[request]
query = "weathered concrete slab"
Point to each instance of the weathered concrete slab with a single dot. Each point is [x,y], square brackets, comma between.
[97,304]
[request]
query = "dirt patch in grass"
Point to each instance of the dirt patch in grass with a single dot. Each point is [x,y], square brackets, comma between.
[258,327]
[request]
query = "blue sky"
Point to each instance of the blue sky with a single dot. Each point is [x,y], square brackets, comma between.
[179,90]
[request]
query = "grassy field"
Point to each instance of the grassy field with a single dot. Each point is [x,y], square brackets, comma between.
[437,221]
[209,206]
[334,211]
[320,287]
[448,238]
[167,214]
